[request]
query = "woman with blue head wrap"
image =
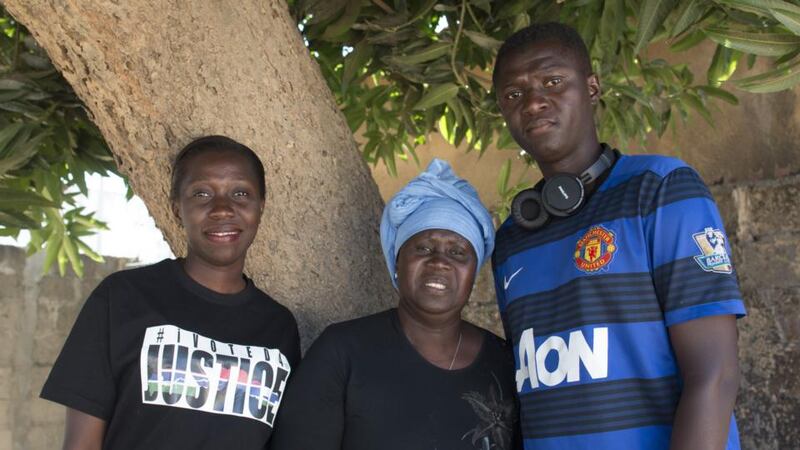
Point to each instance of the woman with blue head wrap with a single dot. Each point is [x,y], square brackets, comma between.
[436,199]
[416,376]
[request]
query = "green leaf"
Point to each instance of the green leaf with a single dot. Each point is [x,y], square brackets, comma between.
[7,134]
[513,8]
[721,94]
[502,178]
[23,151]
[766,44]
[651,15]
[18,199]
[751,61]
[436,95]
[430,53]
[423,10]
[618,124]
[86,250]
[613,16]
[790,19]
[72,254]
[51,252]
[723,65]
[690,12]
[62,260]
[696,103]
[485,5]
[690,40]
[483,41]
[354,62]
[505,140]
[343,24]
[758,7]
[8,84]
[466,110]
[16,219]
[784,77]
[632,92]
[521,21]
[391,165]
[455,106]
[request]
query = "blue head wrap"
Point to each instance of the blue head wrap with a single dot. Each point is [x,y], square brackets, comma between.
[436,199]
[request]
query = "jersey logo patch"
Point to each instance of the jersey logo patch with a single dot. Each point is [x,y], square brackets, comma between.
[507,280]
[715,257]
[595,249]
[183,369]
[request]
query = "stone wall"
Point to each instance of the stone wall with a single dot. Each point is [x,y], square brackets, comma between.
[763,223]
[36,313]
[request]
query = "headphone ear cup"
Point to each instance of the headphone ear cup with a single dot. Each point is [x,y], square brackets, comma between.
[528,211]
[562,195]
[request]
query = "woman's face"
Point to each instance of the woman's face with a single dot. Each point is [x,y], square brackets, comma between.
[219,205]
[435,272]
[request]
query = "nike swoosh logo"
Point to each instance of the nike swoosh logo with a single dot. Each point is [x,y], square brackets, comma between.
[507,281]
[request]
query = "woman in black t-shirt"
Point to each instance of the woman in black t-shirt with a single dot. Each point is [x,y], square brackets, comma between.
[187,353]
[418,376]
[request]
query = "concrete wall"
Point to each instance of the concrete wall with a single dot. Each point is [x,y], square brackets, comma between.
[36,313]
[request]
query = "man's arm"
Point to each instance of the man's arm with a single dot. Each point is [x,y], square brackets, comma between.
[83,432]
[706,350]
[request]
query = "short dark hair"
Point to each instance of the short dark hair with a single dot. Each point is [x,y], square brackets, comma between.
[548,31]
[213,144]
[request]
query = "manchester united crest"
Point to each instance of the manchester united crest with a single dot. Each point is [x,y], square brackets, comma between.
[595,249]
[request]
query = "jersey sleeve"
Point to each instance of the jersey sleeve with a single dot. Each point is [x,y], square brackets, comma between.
[689,251]
[82,377]
[312,413]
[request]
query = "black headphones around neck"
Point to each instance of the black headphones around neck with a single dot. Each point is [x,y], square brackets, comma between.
[560,195]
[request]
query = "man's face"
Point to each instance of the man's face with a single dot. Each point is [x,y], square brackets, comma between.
[546,98]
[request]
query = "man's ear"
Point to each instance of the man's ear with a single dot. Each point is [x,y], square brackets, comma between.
[177,212]
[593,84]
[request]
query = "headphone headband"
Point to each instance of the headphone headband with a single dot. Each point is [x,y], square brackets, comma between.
[595,170]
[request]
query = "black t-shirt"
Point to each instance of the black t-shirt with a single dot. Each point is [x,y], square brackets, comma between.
[363,386]
[170,364]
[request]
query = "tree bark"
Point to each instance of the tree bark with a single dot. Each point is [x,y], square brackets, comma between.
[156,74]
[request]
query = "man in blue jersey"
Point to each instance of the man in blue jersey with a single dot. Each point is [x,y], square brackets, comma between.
[613,276]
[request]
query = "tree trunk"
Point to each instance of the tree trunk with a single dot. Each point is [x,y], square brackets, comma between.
[156,74]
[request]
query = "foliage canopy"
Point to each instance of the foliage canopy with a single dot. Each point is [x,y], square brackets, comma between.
[401,69]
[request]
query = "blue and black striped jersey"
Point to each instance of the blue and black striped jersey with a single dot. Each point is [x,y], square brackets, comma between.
[587,300]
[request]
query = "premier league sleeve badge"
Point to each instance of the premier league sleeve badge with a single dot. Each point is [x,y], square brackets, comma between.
[715,257]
